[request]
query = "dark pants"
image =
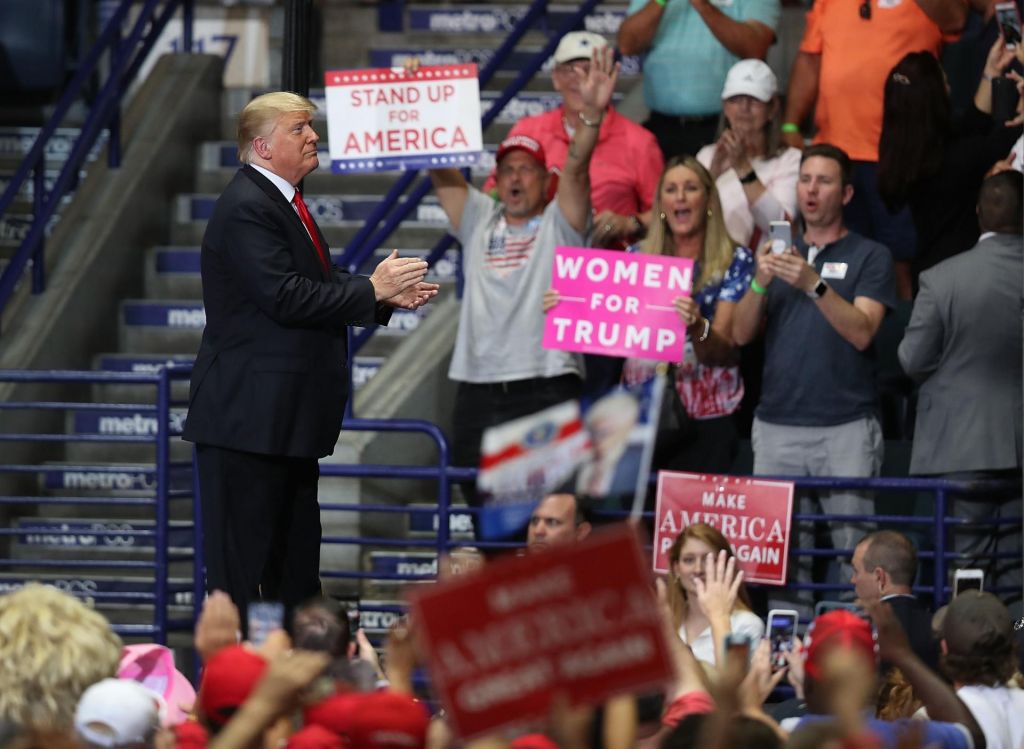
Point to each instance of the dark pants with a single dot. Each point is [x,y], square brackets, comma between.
[483,405]
[261,525]
[682,135]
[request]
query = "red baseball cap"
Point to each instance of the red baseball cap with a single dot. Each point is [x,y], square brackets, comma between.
[521,143]
[373,720]
[228,679]
[315,737]
[190,735]
[837,628]
[533,741]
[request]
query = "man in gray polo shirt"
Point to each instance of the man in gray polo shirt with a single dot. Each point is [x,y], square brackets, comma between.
[508,250]
[823,301]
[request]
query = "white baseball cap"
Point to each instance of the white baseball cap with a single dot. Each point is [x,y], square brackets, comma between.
[750,78]
[578,45]
[113,712]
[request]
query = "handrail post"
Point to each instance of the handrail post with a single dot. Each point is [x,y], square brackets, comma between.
[161,535]
[187,19]
[198,553]
[444,488]
[39,214]
[940,547]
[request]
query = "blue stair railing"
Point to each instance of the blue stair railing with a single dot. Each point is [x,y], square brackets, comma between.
[126,55]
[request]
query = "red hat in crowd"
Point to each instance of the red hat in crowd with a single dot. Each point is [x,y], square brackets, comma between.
[190,735]
[373,720]
[315,737]
[228,679]
[521,143]
[837,628]
[533,741]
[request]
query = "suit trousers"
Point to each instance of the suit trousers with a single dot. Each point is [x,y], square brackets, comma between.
[261,525]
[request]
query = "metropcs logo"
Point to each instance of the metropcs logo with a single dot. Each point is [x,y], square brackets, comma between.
[139,425]
[186,318]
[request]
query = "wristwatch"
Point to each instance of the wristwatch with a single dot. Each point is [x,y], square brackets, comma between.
[819,289]
[749,177]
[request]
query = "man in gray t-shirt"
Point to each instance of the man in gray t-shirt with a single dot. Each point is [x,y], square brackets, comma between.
[508,247]
[823,301]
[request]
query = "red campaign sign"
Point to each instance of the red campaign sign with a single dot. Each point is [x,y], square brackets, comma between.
[754,515]
[579,619]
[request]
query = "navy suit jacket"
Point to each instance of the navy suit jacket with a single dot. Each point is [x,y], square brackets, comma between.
[270,376]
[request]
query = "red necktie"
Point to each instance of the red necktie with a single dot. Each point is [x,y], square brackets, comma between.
[307,221]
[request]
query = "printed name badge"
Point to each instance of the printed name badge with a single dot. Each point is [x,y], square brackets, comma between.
[834,270]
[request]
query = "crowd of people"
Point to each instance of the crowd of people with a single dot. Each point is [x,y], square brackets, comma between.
[893,197]
[890,674]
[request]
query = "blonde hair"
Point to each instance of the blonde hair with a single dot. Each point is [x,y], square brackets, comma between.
[676,595]
[716,254]
[52,648]
[260,116]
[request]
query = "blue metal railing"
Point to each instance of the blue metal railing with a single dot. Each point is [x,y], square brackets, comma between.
[165,490]
[158,498]
[126,55]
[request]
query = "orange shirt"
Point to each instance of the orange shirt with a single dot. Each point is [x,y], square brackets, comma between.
[856,56]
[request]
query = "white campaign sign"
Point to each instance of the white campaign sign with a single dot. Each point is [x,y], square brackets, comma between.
[385,118]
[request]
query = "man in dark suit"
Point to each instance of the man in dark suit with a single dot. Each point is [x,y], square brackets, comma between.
[884,568]
[963,345]
[269,384]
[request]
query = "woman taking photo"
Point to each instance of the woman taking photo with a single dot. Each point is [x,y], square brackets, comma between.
[754,171]
[706,593]
[934,163]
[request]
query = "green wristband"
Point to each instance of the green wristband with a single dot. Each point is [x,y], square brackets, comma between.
[757,288]
[790,127]
[660,2]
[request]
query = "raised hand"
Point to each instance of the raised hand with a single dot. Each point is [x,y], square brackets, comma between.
[598,85]
[394,275]
[219,625]
[716,593]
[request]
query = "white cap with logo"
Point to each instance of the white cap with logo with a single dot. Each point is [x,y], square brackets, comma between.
[750,78]
[578,45]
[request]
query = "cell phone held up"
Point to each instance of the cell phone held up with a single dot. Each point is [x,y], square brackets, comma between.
[782,635]
[971,579]
[264,617]
[1009,23]
[781,236]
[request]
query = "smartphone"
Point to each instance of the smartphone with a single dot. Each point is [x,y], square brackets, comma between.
[1009,23]
[264,618]
[1004,100]
[737,646]
[781,634]
[781,235]
[967,580]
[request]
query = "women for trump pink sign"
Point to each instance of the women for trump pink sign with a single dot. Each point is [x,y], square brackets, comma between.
[618,303]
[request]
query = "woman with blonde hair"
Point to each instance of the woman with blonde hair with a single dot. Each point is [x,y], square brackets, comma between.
[687,222]
[706,592]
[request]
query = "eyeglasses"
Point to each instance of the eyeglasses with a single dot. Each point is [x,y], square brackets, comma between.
[575,67]
[865,10]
